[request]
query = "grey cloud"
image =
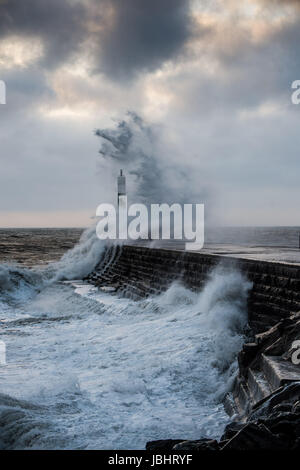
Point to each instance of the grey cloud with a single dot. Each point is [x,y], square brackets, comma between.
[230,155]
[281,2]
[42,166]
[143,35]
[60,23]
[251,74]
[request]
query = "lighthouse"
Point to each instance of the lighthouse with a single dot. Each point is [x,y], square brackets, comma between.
[122,206]
[121,186]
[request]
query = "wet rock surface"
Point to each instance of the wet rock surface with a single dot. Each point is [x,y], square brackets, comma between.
[270,427]
[266,395]
[182,446]
[272,423]
[275,425]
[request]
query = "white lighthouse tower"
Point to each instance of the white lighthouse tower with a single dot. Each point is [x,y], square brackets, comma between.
[122,206]
[121,186]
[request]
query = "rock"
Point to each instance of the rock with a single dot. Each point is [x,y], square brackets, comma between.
[247,356]
[162,445]
[269,336]
[288,394]
[231,429]
[284,425]
[255,437]
[197,446]
[283,407]
[296,407]
[274,423]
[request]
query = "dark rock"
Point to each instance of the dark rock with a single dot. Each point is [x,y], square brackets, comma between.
[231,429]
[296,407]
[268,337]
[296,445]
[255,437]
[162,445]
[275,349]
[274,424]
[284,427]
[283,407]
[247,356]
[287,394]
[197,446]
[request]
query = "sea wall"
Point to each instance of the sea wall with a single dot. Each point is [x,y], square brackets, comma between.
[265,399]
[138,271]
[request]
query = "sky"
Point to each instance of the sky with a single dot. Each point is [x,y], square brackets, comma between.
[192,98]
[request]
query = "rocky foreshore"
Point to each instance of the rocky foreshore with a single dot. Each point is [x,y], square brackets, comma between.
[265,400]
[274,425]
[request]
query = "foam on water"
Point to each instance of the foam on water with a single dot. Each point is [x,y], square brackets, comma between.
[81,260]
[86,369]
[19,284]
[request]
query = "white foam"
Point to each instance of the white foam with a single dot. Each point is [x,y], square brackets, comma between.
[82,259]
[103,372]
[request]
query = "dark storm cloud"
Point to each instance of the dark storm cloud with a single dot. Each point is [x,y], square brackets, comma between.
[130,36]
[143,34]
[59,23]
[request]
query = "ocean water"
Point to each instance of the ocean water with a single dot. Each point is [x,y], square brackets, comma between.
[88,370]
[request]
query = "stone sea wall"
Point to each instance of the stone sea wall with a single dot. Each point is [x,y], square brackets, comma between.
[138,271]
[265,400]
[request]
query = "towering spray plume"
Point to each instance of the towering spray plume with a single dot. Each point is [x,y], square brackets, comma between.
[152,174]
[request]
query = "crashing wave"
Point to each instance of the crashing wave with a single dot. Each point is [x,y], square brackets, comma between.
[21,283]
[80,260]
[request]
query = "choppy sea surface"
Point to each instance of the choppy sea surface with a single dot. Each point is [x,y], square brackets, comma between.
[88,370]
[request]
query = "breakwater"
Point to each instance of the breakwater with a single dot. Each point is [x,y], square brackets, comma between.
[265,399]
